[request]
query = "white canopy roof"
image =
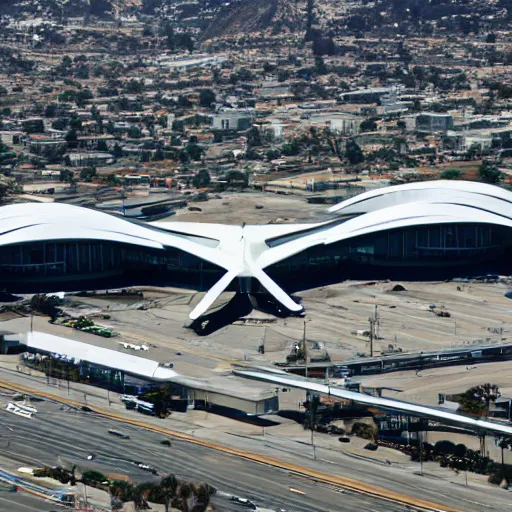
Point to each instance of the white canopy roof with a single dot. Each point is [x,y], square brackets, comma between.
[96,355]
[245,251]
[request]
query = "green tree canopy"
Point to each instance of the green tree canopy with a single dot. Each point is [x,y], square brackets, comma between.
[353,152]
[368,125]
[206,98]
[489,173]
[451,174]
[201,179]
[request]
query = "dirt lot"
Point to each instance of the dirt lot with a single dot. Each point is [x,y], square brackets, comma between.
[237,208]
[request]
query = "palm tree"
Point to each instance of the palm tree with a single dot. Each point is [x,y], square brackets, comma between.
[140,495]
[181,501]
[169,486]
[203,493]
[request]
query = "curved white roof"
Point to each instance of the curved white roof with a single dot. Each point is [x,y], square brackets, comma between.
[245,251]
[34,222]
[97,355]
[427,191]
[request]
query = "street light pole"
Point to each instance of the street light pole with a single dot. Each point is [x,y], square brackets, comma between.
[421,453]
[313,442]
[304,344]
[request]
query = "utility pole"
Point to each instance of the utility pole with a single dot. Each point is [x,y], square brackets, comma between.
[377,323]
[313,406]
[305,349]
[421,451]
[372,334]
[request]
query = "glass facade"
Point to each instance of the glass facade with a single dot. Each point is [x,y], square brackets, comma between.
[90,259]
[439,246]
[90,264]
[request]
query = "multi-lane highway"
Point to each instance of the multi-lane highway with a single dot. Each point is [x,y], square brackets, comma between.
[21,502]
[62,435]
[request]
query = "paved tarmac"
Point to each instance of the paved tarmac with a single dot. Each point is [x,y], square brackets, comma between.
[62,435]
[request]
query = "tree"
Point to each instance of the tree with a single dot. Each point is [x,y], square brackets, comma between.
[50,110]
[476,400]
[272,154]
[206,98]
[134,132]
[451,174]
[237,178]
[491,38]
[88,174]
[75,124]
[159,155]
[253,137]
[353,152]
[201,179]
[134,87]
[445,447]
[194,151]
[72,139]
[82,72]
[368,125]
[487,392]
[117,151]
[102,146]
[66,61]
[59,124]
[169,487]
[489,173]
[460,450]
[320,66]
[83,96]
[67,95]
[185,41]
[291,148]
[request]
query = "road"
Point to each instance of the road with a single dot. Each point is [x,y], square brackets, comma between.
[21,502]
[62,435]
[403,480]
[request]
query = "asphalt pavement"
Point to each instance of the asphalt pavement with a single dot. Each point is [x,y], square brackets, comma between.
[62,435]
[21,502]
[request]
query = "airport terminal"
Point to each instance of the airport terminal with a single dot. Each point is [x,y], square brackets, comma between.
[419,231]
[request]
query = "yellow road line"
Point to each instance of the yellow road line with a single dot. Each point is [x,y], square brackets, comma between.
[312,474]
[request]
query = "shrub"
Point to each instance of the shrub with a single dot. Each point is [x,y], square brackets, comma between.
[451,174]
[444,447]
[495,478]
[93,478]
[365,431]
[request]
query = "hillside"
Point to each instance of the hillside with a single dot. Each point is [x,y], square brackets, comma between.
[246,16]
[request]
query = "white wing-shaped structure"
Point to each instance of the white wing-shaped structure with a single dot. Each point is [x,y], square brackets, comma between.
[415,224]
